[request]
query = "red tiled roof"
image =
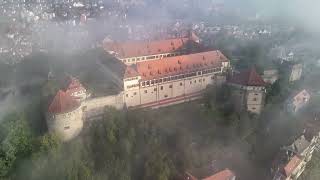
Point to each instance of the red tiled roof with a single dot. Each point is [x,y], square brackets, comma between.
[188,176]
[62,103]
[74,86]
[248,78]
[131,71]
[144,48]
[177,65]
[292,165]
[222,175]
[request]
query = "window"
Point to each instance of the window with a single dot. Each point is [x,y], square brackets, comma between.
[151,57]
[256,94]
[161,88]
[155,89]
[255,99]
[165,96]
[152,82]
[124,61]
[200,80]
[212,77]
[138,59]
[195,81]
[190,82]
[143,83]
[148,83]
[199,73]
[170,86]
[254,108]
[160,80]
[127,95]
[135,93]
[67,127]
[143,58]
[145,91]
[180,84]
[204,79]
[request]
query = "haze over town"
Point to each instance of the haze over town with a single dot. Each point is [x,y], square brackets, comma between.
[159,89]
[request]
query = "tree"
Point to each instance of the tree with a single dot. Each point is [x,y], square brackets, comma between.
[16,141]
[158,166]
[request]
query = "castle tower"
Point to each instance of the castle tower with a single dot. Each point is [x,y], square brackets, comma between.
[65,116]
[248,91]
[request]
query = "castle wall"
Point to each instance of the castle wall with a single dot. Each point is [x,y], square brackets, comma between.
[255,101]
[248,98]
[96,103]
[66,125]
[170,91]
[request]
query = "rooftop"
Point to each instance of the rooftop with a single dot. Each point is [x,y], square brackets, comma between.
[176,65]
[74,86]
[63,103]
[292,165]
[248,78]
[144,48]
[222,175]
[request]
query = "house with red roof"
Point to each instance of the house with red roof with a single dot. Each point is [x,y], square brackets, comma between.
[291,160]
[172,80]
[298,101]
[248,91]
[222,175]
[291,170]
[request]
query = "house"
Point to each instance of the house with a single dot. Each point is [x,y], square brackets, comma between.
[222,175]
[296,72]
[292,161]
[248,91]
[173,80]
[299,100]
[270,76]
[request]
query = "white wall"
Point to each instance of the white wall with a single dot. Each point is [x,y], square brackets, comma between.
[95,103]
[67,125]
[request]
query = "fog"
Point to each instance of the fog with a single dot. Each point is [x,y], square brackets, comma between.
[62,42]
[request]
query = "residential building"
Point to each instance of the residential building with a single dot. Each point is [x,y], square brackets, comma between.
[299,100]
[248,91]
[296,72]
[270,76]
[173,80]
[291,163]
[222,175]
[140,51]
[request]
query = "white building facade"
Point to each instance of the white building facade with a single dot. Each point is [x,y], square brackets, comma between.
[173,80]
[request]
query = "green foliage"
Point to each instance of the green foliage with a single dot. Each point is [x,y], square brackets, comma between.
[15,141]
[219,105]
[50,88]
[158,166]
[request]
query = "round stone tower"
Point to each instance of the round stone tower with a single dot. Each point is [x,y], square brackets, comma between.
[65,116]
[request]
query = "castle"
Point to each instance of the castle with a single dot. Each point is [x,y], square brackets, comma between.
[157,74]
